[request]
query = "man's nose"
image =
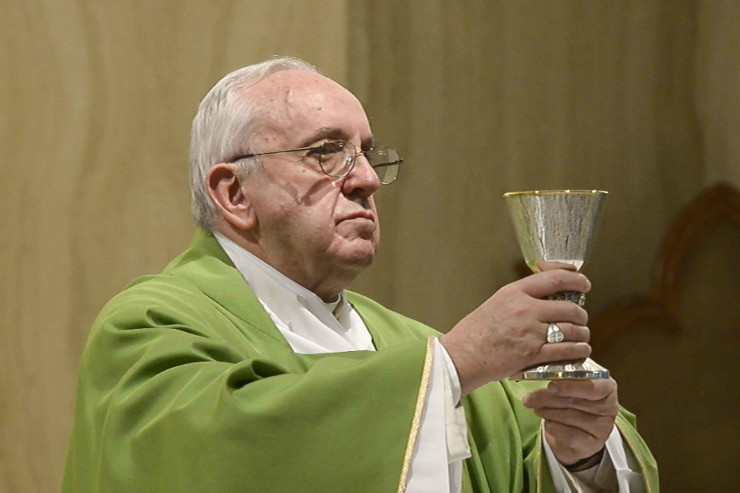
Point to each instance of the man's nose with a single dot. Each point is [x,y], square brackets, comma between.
[362,180]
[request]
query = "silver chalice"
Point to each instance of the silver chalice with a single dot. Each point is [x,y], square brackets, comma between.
[558,226]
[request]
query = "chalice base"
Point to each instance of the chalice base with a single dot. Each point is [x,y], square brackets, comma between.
[587,369]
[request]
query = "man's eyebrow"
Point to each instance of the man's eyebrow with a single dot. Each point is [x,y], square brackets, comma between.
[368,143]
[324,133]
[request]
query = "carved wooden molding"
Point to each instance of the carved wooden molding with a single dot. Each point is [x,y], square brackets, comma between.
[659,306]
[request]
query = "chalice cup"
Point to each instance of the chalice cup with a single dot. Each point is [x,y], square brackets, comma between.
[557,226]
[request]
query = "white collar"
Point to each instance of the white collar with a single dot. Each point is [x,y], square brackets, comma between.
[308,323]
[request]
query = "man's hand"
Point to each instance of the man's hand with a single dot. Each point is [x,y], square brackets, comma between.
[507,333]
[579,416]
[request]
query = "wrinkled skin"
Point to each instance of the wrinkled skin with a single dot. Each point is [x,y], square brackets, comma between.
[318,230]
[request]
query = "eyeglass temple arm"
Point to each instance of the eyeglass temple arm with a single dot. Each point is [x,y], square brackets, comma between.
[383,165]
[255,154]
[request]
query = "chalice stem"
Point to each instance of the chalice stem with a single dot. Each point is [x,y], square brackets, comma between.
[573,296]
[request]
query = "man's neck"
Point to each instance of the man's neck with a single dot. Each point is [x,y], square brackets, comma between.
[328,288]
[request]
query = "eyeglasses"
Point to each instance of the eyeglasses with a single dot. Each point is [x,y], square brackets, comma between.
[336,158]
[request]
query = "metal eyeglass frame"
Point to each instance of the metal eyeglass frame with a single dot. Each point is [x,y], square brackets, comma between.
[352,158]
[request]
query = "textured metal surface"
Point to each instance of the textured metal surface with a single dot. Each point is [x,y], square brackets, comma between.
[573,296]
[555,225]
[570,370]
[558,225]
[554,334]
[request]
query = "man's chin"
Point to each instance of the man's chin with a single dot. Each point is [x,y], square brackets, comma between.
[359,255]
[361,261]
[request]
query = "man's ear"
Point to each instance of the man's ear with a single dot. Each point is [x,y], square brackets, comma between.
[227,194]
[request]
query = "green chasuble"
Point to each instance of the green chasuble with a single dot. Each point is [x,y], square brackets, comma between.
[186,385]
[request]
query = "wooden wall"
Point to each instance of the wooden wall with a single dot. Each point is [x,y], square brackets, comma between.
[96,101]
[504,96]
[482,97]
[717,78]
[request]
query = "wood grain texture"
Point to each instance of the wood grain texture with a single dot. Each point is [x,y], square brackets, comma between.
[494,97]
[96,101]
[718,88]
[661,305]
[681,381]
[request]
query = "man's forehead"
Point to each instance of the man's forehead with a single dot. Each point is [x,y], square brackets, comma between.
[297,87]
[306,100]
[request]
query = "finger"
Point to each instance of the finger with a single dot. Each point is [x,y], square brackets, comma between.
[598,427]
[544,284]
[543,399]
[543,265]
[560,311]
[562,351]
[571,444]
[571,332]
[593,390]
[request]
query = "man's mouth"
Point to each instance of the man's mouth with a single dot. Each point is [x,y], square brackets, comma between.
[359,215]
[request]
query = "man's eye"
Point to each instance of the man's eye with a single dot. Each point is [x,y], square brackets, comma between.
[328,148]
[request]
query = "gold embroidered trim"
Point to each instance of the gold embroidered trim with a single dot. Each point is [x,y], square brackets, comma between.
[416,422]
[538,458]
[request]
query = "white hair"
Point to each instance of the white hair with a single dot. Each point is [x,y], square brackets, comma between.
[224,126]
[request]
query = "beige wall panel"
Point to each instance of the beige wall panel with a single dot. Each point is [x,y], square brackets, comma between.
[682,385]
[96,101]
[718,88]
[486,97]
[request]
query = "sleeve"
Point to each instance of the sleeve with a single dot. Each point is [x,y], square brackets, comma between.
[166,403]
[618,471]
[442,445]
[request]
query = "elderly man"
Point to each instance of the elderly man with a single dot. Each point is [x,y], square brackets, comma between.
[246,365]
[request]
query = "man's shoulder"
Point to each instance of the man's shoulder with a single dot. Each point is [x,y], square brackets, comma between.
[173,311]
[196,284]
[164,294]
[200,276]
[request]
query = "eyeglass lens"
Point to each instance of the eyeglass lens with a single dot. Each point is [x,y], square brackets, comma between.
[385,162]
[337,158]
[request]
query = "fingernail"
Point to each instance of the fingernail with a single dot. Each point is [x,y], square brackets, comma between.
[588,283]
[553,389]
[525,400]
[585,345]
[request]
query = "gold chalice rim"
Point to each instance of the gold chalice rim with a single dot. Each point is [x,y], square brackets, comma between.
[552,192]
